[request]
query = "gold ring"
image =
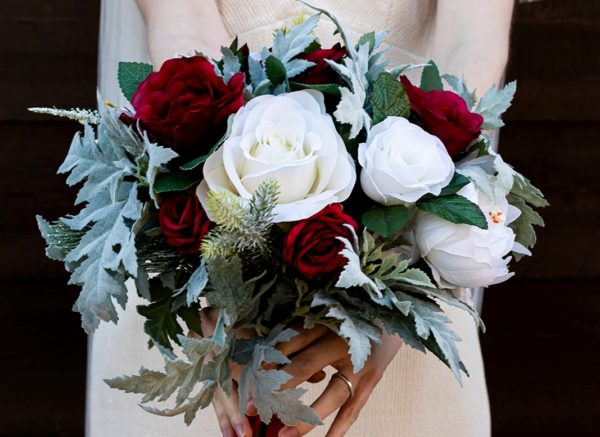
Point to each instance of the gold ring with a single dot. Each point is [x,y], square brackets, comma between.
[348,383]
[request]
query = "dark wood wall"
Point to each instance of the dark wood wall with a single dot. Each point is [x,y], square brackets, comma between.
[541,348]
[48,52]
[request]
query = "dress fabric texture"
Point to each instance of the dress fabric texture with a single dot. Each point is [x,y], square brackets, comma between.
[418,396]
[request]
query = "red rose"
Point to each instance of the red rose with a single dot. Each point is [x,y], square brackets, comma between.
[312,245]
[185,105]
[321,72]
[183,222]
[445,115]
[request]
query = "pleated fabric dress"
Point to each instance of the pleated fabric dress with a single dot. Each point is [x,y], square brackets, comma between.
[418,396]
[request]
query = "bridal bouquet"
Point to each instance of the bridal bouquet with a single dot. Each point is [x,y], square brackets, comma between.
[297,186]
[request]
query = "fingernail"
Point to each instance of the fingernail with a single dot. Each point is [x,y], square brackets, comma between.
[289,432]
[227,431]
[239,429]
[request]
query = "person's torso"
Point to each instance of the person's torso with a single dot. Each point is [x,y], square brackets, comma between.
[409,21]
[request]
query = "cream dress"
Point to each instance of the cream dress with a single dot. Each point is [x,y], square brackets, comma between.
[418,396]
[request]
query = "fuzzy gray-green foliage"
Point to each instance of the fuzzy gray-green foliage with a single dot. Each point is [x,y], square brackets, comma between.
[264,384]
[271,73]
[494,103]
[60,239]
[105,256]
[178,376]
[404,303]
[353,327]
[111,165]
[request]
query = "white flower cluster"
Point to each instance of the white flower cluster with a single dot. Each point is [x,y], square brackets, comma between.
[290,138]
[467,256]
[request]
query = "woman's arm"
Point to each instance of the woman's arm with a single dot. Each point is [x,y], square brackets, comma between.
[178,27]
[471,40]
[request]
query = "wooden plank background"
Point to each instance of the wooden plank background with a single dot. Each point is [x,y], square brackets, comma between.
[541,349]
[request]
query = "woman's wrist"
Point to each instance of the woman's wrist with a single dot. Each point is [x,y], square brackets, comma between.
[188,25]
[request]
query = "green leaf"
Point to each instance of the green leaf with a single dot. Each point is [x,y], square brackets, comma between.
[357,331]
[494,103]
[106,255]
[415,277]
[523,188]
[447,297]
[432,327]
[395,323]
[130,75]
[430,78]
[158,157]
[288,45]
[191,316]
[458,181]
[161,322]
[151,383]
[389,98]
[330,89]
[523,225]
[60,239]
[178,376]
[386,220]
[455,209]
[191,165]
[353,276]
[367,38]
[276,71]
[176,181]
[230,291]
[197,283]
[231,63]
[265,384]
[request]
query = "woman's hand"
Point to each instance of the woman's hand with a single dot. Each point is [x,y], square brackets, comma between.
[226,408]
[312,351]
[471,39]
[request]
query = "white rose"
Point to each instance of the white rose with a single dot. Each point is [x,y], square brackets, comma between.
[401,163]
[289,138]
[467,256]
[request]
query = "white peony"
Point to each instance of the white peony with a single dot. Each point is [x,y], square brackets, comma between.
[289,138]
[401,163]
[467,256]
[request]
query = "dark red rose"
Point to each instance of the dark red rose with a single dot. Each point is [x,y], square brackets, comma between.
[445,115]
[312,245]
[321,72]
[185,105]
[272,429]
[183,222]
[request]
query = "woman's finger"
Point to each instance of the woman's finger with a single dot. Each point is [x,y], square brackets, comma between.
[351,409]
[335,395]
[230,407]
[304,338]
[222,417]
[327,351]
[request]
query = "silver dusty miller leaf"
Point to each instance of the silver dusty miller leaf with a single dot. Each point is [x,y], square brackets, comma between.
[265,384]
[357,332]
[494,103]
[105,256]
